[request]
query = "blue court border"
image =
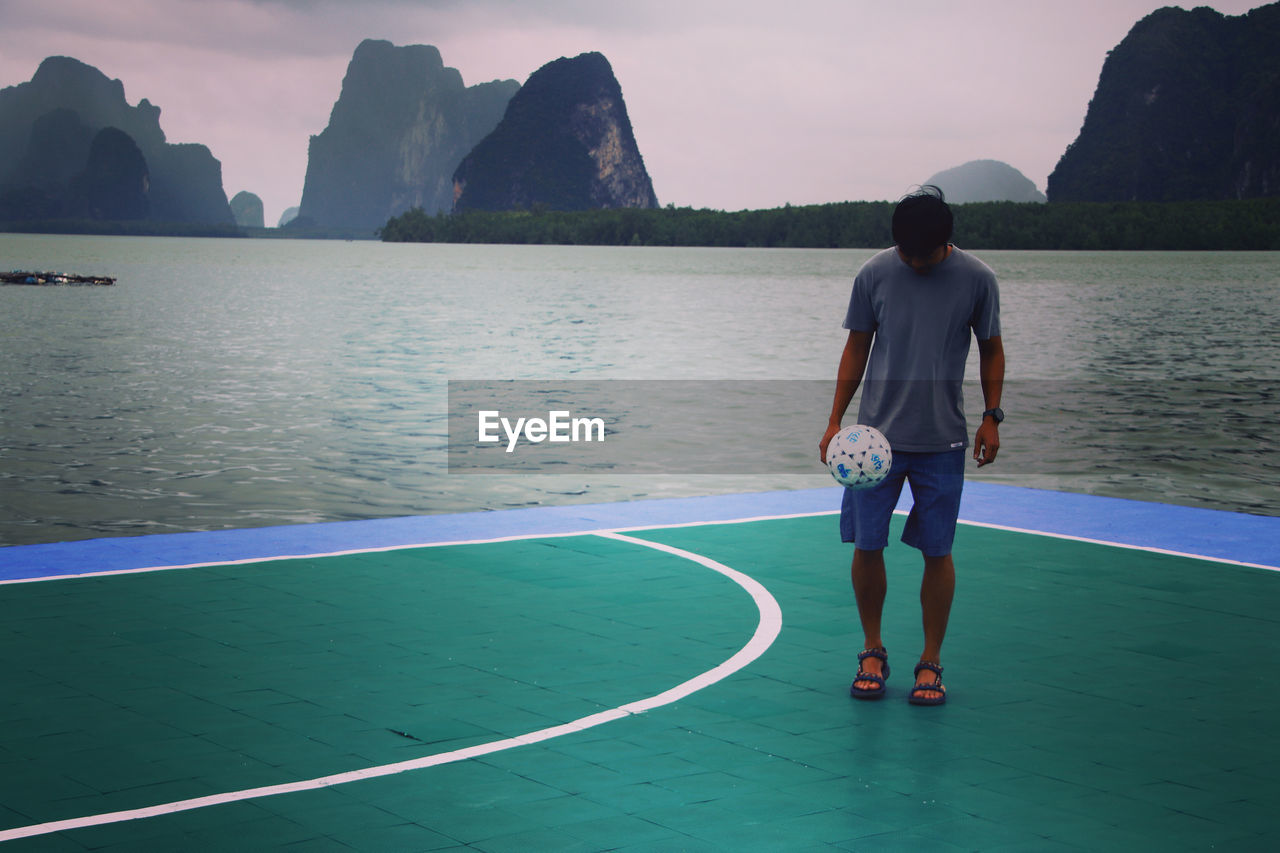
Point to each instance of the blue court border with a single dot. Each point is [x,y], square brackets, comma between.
[1229,536]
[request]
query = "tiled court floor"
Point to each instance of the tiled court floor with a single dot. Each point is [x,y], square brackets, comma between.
[1100,699]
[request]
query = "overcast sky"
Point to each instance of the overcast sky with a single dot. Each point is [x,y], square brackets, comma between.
[735,104]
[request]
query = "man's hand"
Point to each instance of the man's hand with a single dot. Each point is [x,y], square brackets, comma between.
[832,429]
[853,361]
[986,443]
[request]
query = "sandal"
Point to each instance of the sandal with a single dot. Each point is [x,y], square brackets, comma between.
[917,696]
[870,692]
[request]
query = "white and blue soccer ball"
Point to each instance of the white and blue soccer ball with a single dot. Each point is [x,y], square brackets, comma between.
[859,456]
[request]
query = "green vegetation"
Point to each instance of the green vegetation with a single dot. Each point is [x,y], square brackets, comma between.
[1252,224]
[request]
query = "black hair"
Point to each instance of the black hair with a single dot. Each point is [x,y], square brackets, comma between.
[922,221]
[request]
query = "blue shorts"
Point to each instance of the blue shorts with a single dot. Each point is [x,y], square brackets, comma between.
[936,482]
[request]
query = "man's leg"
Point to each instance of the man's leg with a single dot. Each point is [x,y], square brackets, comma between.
[937,590]
[869,588]
[936,485]
[864,520]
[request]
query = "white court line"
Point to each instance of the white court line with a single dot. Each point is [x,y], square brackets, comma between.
[382,549]
[1127,546]
[767,629]
[601,531]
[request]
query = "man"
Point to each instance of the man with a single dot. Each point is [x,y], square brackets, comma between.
[910,318]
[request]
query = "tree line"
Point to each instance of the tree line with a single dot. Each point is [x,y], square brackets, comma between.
[1250,224]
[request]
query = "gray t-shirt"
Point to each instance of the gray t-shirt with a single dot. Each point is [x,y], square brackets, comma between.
[912,390]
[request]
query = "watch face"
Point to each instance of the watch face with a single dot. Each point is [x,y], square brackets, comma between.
[997,414]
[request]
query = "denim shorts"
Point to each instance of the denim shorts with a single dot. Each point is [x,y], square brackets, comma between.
[936,482]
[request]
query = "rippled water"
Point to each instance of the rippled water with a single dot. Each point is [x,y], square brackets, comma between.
[226,383]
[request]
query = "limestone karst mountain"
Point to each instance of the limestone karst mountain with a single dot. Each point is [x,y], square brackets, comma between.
[50,129]
[565,143]
[401,125]
[1187,107]
[247,209]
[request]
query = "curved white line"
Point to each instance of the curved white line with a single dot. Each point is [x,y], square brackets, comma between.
[766,632]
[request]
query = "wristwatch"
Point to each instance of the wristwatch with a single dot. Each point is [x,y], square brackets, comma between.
[997,413]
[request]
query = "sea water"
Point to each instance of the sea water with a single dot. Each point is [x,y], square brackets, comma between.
[231,383]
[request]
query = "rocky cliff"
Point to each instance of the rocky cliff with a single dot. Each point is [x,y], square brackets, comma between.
[115,182]
[1187,107]
[565,143]
[246,207]
[401,125]
[986,180]
[48,130]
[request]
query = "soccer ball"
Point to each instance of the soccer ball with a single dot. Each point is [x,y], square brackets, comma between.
[859,456]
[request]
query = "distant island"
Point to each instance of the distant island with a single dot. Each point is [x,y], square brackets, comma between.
[985,180]
[1180,148]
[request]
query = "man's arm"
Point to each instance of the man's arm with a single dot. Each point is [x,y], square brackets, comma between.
[986,443]
[853,361]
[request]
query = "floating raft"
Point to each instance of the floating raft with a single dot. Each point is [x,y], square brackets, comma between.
[22,277]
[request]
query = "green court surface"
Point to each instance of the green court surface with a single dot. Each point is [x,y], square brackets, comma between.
[1100,698]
